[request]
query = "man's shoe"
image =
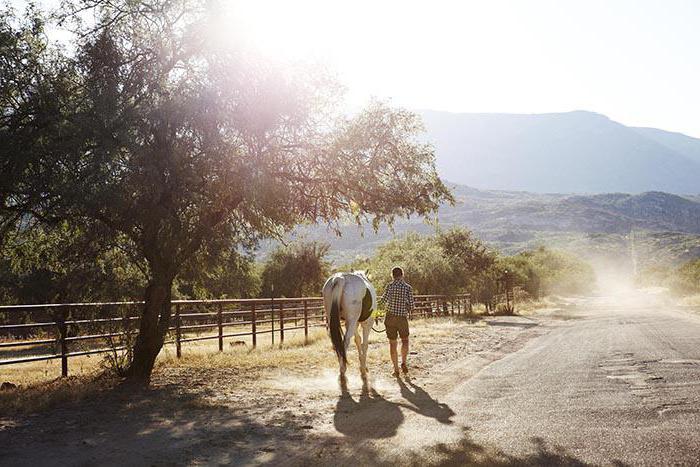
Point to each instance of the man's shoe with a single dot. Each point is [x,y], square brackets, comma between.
[404,368]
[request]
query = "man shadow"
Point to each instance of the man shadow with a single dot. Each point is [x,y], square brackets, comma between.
[424,404]
[371,416]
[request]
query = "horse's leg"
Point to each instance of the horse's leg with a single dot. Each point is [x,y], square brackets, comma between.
[350,328]
[358,344]
[366,328]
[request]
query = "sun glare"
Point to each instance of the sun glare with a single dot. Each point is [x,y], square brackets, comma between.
[288,30]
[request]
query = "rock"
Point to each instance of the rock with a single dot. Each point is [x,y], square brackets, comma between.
[7,386]
[236,343]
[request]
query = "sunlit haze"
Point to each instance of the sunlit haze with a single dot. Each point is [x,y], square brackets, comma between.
[632,60]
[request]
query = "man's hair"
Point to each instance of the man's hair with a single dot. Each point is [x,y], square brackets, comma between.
[396,272]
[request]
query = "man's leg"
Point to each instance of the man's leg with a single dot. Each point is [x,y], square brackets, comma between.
[404,353]
[394,355]
[392,333]
[403,332]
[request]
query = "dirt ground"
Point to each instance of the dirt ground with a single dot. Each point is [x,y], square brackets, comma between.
[296,413]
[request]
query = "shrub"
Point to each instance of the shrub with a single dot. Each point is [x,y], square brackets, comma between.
[296,270]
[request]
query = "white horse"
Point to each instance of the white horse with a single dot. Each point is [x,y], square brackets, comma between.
[352,297]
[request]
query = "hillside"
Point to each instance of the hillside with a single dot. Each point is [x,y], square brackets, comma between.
[645,228]
[603,213]
[573,152]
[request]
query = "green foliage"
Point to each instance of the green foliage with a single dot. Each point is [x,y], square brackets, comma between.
[455,261]
[687,280]
[296,270]
[225,273]
[64,264]
[681,280]
[448,262]
[544,271]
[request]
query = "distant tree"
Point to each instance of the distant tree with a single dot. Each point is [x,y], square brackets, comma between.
[296,270]
[544,271]
[445,263]
[221,273]
[163,136]
[685,280]
[468,256]
[64,264]
[425,267]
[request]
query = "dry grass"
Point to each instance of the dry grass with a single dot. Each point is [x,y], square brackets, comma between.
[532,306]
[691,300]
[40,387]
[525,306]
[46,394]
[295,353]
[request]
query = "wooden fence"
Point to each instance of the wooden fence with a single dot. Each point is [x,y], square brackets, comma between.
[32,333]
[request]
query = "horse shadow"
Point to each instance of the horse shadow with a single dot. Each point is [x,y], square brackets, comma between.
[372,416]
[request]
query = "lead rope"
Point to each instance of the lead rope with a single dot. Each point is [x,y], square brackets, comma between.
[378,330]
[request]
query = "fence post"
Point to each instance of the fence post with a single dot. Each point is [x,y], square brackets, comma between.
[306,322]
[281,323]
[272,319]
[62,334]
[178,332]
[220,322]
[252,319]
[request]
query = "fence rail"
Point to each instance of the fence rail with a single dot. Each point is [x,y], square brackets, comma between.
[33,333]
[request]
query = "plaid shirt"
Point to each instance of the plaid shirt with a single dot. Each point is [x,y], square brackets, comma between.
[398,298]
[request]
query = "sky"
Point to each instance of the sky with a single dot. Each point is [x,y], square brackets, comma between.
[635,61]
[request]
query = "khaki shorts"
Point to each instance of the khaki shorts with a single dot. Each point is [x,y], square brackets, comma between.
[396,325]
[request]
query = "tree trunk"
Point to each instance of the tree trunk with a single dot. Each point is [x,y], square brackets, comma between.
[155,321]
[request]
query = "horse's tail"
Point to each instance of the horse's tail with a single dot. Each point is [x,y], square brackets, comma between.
[337,337]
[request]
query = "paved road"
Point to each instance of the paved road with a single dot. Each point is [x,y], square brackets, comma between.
[616,385]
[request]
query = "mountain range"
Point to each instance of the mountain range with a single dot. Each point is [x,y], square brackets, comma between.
[572,152]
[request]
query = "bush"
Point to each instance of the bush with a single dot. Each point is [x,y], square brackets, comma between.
[683,280]
[446,263]
[296,270]
[543,271]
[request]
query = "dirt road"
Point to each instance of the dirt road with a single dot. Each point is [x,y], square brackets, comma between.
[596,384]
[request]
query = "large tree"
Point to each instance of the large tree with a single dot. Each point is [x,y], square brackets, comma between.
[155,130]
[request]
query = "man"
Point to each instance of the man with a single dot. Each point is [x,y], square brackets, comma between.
[398,300]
